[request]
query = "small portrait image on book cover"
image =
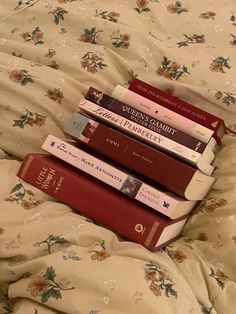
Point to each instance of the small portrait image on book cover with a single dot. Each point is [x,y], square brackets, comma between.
[131,186]
[88,131]
[99,97]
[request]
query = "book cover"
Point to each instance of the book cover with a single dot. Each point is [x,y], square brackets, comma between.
[171,140]
[98,201]
[179,106]
[178,177]
[129,153]
[166,115]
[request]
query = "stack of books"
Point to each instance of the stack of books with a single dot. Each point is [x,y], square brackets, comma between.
[137,161]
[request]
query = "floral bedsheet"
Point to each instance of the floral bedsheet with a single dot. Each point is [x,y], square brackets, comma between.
[53,260]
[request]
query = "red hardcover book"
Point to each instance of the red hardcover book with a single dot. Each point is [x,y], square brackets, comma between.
[98,201]
[181,107]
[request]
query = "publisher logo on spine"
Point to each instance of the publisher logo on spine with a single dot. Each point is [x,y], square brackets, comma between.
[139,228]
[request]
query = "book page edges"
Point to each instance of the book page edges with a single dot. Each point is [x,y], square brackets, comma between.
[205,166]
[182,208]
[170,232]
[119,92]
[198,186]
[208,154]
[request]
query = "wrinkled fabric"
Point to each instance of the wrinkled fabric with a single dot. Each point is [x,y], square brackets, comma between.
[53,260]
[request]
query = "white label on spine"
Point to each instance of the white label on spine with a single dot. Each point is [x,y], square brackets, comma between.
[84,161]
[152,198]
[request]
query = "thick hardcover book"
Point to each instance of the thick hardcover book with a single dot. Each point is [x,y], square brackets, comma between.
[129,153]
[98,201]
[179,106]
[163,114]
[145,135]
[171,140]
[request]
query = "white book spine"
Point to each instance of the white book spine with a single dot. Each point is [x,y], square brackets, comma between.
[145,134]
[163,114]
[112,176]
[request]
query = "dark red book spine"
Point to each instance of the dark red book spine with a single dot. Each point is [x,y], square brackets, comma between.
[96,200]
[145,120]
[179,106]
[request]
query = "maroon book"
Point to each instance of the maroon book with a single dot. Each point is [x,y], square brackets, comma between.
[96,200]
[181,107]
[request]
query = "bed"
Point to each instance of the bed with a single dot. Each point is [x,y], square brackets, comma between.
[53,260]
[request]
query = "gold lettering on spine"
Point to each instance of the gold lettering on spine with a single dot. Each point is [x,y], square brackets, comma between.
[45,177]
[59,184]
[48,179]
[41,176]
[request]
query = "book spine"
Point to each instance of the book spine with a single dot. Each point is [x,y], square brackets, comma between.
[146,121]
[163,114]
[109,174]
[179,106]
[129,153]
[138,131]
[97,201]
